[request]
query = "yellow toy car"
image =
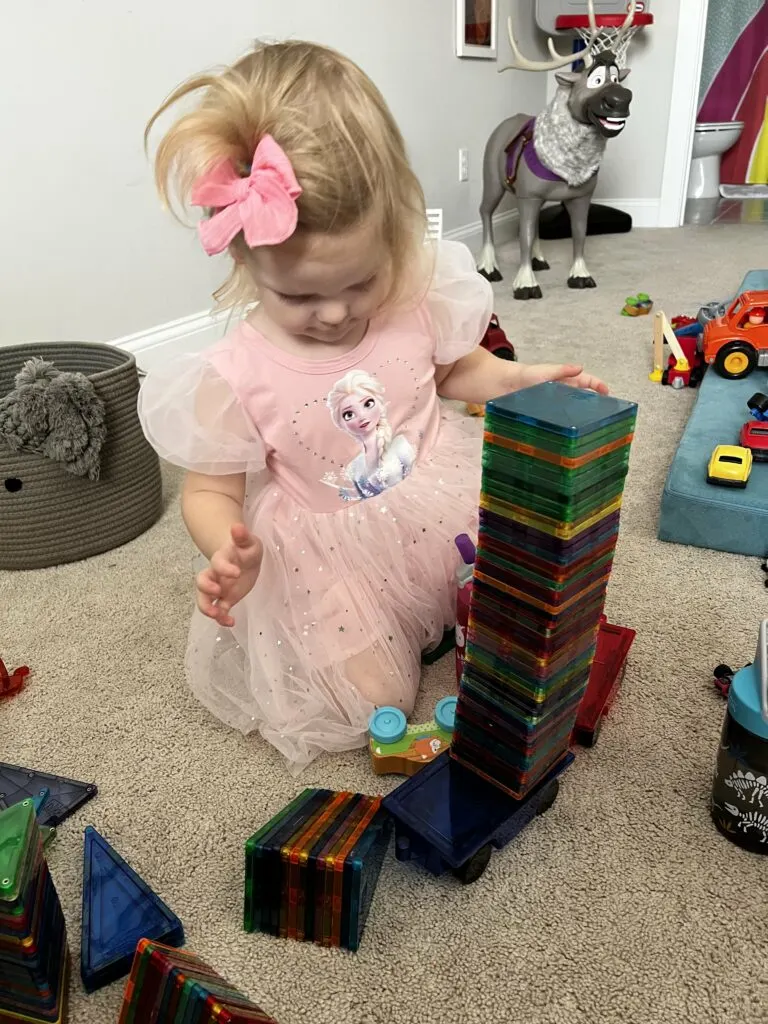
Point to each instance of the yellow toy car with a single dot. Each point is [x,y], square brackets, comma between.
[729,466]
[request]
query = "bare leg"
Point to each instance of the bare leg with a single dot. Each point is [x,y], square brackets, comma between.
[578,210]
[525,285]
[373,674]
[493,192]
[538,261]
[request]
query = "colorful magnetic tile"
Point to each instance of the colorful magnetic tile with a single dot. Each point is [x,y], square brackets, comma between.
[119,908]
[172,986]
[555,461]
[297,870]
[543,455]
[558,408]
[65,795]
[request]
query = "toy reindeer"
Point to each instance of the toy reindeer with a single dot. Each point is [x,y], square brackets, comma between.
[555,156]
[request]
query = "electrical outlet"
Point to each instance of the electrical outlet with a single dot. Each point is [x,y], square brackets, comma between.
[463,165]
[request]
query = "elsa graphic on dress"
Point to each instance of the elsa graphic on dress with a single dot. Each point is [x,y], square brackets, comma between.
[357,406]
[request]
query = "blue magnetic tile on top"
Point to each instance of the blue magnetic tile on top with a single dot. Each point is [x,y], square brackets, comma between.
[562,409]
[119,908]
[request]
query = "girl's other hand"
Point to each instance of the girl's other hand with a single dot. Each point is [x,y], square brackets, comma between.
[231,574]
[566,373]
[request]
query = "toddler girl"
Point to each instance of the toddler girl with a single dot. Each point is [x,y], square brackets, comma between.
[326,482]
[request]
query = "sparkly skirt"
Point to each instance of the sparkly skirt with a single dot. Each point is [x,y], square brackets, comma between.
[344,606]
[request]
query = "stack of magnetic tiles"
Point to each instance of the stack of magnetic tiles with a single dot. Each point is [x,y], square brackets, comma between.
[172,986]
[311,872]
[34,957]
[554,463]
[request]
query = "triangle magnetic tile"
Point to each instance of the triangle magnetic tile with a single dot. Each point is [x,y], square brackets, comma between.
[119,908]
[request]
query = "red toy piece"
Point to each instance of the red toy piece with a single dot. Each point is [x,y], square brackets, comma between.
[608,668]
[691,376]
[11,683]
[754,435]
[496,341]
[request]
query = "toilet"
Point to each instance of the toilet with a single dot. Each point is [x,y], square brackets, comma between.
[710,141]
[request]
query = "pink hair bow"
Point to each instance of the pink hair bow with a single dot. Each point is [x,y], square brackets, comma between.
[262,206]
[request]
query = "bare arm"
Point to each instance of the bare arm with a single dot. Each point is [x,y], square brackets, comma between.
[211,506]
[481,376]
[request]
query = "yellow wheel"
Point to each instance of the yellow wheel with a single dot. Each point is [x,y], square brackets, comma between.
[735,363]
[736,359]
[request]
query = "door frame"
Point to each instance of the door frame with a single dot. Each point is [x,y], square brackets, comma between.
[683,107]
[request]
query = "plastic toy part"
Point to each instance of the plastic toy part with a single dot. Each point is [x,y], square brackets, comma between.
[174,986]
[736,342]
[449,819]
[34,958]
[119,908]
[729,466]
[605,678]
[12,683]
[685,366]
[311,872]
[637,305]
[409,750]
[758,406]
[387,725]
[65,796]
[723,677]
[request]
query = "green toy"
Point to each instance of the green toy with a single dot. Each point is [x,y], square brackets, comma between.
[637,305]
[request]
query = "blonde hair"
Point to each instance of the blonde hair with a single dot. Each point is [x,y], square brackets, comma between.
[338,133]
[363,385]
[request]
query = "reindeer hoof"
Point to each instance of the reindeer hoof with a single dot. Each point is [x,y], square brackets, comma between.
[494,275]
[539,264]
[582,282]
[527,293]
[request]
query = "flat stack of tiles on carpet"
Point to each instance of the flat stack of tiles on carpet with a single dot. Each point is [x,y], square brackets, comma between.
[34,957]
[554,463]
[172,986]
[311,872]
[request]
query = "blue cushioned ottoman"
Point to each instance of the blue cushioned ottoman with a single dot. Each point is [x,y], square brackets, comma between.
[702,514]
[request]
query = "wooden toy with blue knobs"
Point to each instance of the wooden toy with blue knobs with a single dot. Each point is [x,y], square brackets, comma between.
[740,787]
[399,748]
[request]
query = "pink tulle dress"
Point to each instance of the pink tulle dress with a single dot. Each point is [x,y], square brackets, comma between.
[358,480]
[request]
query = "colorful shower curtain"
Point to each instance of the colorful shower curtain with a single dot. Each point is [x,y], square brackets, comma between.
[734,84]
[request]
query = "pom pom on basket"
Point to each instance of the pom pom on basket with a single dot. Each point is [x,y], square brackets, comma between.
[77,475]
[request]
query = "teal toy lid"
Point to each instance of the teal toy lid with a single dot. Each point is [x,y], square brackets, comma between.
[387,725]
[748,693]
[445,713]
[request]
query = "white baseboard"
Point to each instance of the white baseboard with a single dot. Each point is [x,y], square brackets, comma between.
[196,332]
[504,230]
[644,212]
[187,334]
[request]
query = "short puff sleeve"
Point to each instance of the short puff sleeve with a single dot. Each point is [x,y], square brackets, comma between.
[459,302]
[192,418]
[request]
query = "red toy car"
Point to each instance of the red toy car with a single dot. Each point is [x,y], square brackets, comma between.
[754,435]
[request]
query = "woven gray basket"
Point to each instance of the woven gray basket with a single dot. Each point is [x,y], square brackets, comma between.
[49,516]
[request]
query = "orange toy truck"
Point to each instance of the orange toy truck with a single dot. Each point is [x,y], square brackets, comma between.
[737,342]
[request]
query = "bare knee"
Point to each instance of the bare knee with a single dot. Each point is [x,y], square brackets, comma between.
[381,682]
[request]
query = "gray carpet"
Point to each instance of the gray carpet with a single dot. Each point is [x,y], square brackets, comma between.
[622,905]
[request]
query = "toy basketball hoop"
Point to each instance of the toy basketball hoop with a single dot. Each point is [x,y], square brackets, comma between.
[610,35]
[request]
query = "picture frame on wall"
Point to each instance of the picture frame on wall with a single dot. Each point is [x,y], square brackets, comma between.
[476,27]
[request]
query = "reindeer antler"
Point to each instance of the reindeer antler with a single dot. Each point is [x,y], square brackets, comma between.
[558,60]
[586,56]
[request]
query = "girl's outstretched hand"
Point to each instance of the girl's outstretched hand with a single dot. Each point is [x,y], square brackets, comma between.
[540,373]
[231,574]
